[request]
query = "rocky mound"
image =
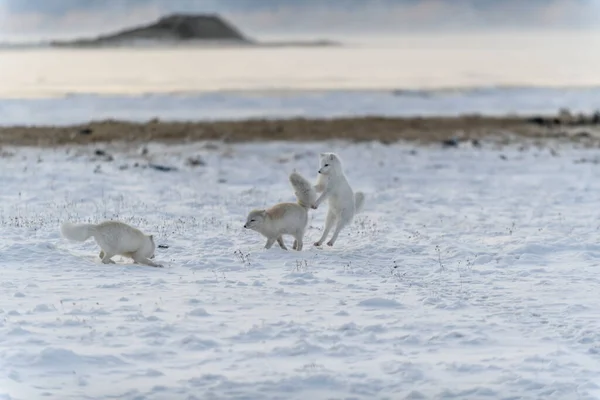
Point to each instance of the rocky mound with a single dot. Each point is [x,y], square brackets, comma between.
[172,28]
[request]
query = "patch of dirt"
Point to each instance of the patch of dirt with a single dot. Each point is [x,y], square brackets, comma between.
[444,130]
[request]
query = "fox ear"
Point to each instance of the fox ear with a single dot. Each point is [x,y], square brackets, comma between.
[331,157]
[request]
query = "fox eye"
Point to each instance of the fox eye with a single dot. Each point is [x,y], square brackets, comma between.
[326,165]
[252,220]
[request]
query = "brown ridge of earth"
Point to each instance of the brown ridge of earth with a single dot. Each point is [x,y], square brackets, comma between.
[445,130]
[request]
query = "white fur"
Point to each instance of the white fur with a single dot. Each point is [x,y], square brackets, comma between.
[343,202]
[303,190]
[285,218]
[114,238]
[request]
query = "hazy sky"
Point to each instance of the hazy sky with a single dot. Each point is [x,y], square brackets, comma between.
[34,19]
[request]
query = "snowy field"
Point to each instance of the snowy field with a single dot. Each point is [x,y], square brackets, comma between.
[471,274]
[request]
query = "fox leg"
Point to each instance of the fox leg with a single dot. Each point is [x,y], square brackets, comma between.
[321,198]
[342,221]
[106,257]
[281,243]
[299,243]
[295,245]
[329,220]
[336,232]
[140,259]
[269,243]
[101,255]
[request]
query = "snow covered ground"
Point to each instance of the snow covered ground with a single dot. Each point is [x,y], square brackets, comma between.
[471,274]
[81,108]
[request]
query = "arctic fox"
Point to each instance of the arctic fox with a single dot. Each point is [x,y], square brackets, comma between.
[343,202]
[114,238]
[285,218]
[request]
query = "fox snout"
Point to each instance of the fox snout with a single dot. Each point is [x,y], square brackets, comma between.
[319,171]
[245,226]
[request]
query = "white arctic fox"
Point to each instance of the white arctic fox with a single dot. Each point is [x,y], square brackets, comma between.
[114,238]
[285,218]
[343,202]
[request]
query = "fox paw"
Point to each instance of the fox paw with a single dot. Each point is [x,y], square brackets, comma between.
[330,243]
[317,243]
[314,206]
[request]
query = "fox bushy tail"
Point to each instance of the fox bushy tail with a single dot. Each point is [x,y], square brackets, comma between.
[77,232]
[359,201]
[304,191]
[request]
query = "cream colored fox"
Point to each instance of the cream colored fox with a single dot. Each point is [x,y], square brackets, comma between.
[285,218]
[114,238]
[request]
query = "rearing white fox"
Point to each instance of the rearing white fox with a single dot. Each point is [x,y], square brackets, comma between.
[343,202]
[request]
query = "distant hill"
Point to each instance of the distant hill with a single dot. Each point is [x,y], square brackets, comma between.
[180,29]
[172,28]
